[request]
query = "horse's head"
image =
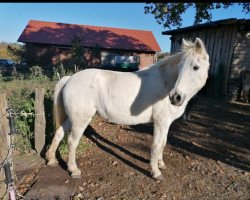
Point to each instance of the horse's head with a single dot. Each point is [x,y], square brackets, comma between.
[192,72]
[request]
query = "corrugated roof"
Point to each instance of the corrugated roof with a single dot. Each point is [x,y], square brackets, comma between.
[209,24]
[106,37]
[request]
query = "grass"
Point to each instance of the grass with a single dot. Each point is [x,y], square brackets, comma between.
[82,146]
[10,86]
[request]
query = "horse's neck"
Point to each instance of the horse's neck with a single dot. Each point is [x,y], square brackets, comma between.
[169,70]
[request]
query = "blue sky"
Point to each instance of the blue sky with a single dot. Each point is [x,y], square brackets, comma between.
[15,16]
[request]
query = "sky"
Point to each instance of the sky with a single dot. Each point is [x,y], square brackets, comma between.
[15,16]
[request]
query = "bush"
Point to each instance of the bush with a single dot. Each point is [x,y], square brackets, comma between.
[36,73]
[60,72]
[23,100]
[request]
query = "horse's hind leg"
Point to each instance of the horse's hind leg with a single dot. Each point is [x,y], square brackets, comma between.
[51,153]
[73,140]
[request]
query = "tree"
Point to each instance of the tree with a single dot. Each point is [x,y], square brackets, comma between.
[16,52]
[96,51]
[77,48]
[169,14]
[12,51]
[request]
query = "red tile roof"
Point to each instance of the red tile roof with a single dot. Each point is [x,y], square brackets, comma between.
[106,37]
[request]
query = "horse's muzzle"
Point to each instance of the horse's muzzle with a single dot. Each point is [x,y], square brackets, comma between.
[177,99]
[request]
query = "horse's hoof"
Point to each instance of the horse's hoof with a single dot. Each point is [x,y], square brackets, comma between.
[163,167]
[76,175]
[160,178]
[53,163]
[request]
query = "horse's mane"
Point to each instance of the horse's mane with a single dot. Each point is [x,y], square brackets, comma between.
[190,48]
[172,60]
[162,63]
[166,67]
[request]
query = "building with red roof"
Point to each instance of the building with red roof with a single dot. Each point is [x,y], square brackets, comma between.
[116,45]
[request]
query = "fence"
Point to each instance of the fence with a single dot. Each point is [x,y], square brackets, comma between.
[5,137]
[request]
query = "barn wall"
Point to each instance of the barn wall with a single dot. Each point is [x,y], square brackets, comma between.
[240,61]
[146,60]
[219,42]
[47,55]
[50,55]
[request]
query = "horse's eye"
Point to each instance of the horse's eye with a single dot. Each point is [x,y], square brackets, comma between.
[195,68]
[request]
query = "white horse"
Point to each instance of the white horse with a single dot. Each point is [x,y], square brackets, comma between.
[157,94]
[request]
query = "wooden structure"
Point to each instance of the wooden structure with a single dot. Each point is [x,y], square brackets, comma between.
[40,121]
[4,143]
[228,45]
[246,85]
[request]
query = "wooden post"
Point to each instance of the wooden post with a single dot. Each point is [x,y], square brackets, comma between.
[4,142]
[40,122]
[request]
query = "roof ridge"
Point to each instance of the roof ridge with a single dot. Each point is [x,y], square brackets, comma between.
[209,23]
[91,25]
[119,28]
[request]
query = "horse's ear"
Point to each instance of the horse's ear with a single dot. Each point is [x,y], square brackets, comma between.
[198,44]
[184,43]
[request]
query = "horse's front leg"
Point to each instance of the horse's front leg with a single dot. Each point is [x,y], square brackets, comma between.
[159,142]
[161,163]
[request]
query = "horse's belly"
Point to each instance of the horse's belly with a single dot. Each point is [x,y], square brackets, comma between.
[125,118]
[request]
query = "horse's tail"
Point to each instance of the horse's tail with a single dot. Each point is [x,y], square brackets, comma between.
[58,110]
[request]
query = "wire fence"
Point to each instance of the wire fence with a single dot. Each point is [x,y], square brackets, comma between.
[7,120]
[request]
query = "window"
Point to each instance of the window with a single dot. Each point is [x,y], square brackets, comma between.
[129,62]
[108,59]
[116,60]
[126,59]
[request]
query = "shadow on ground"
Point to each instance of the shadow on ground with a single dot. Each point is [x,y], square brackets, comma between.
[218,130]
[104,144]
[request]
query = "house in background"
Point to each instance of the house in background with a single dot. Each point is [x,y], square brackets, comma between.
[228,45]
[118,47]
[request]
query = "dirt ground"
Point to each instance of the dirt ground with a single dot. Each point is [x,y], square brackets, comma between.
[207,158]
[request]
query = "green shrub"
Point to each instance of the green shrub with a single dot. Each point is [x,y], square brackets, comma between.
[23,100]
[60,71]
[20,76]
[36,73]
